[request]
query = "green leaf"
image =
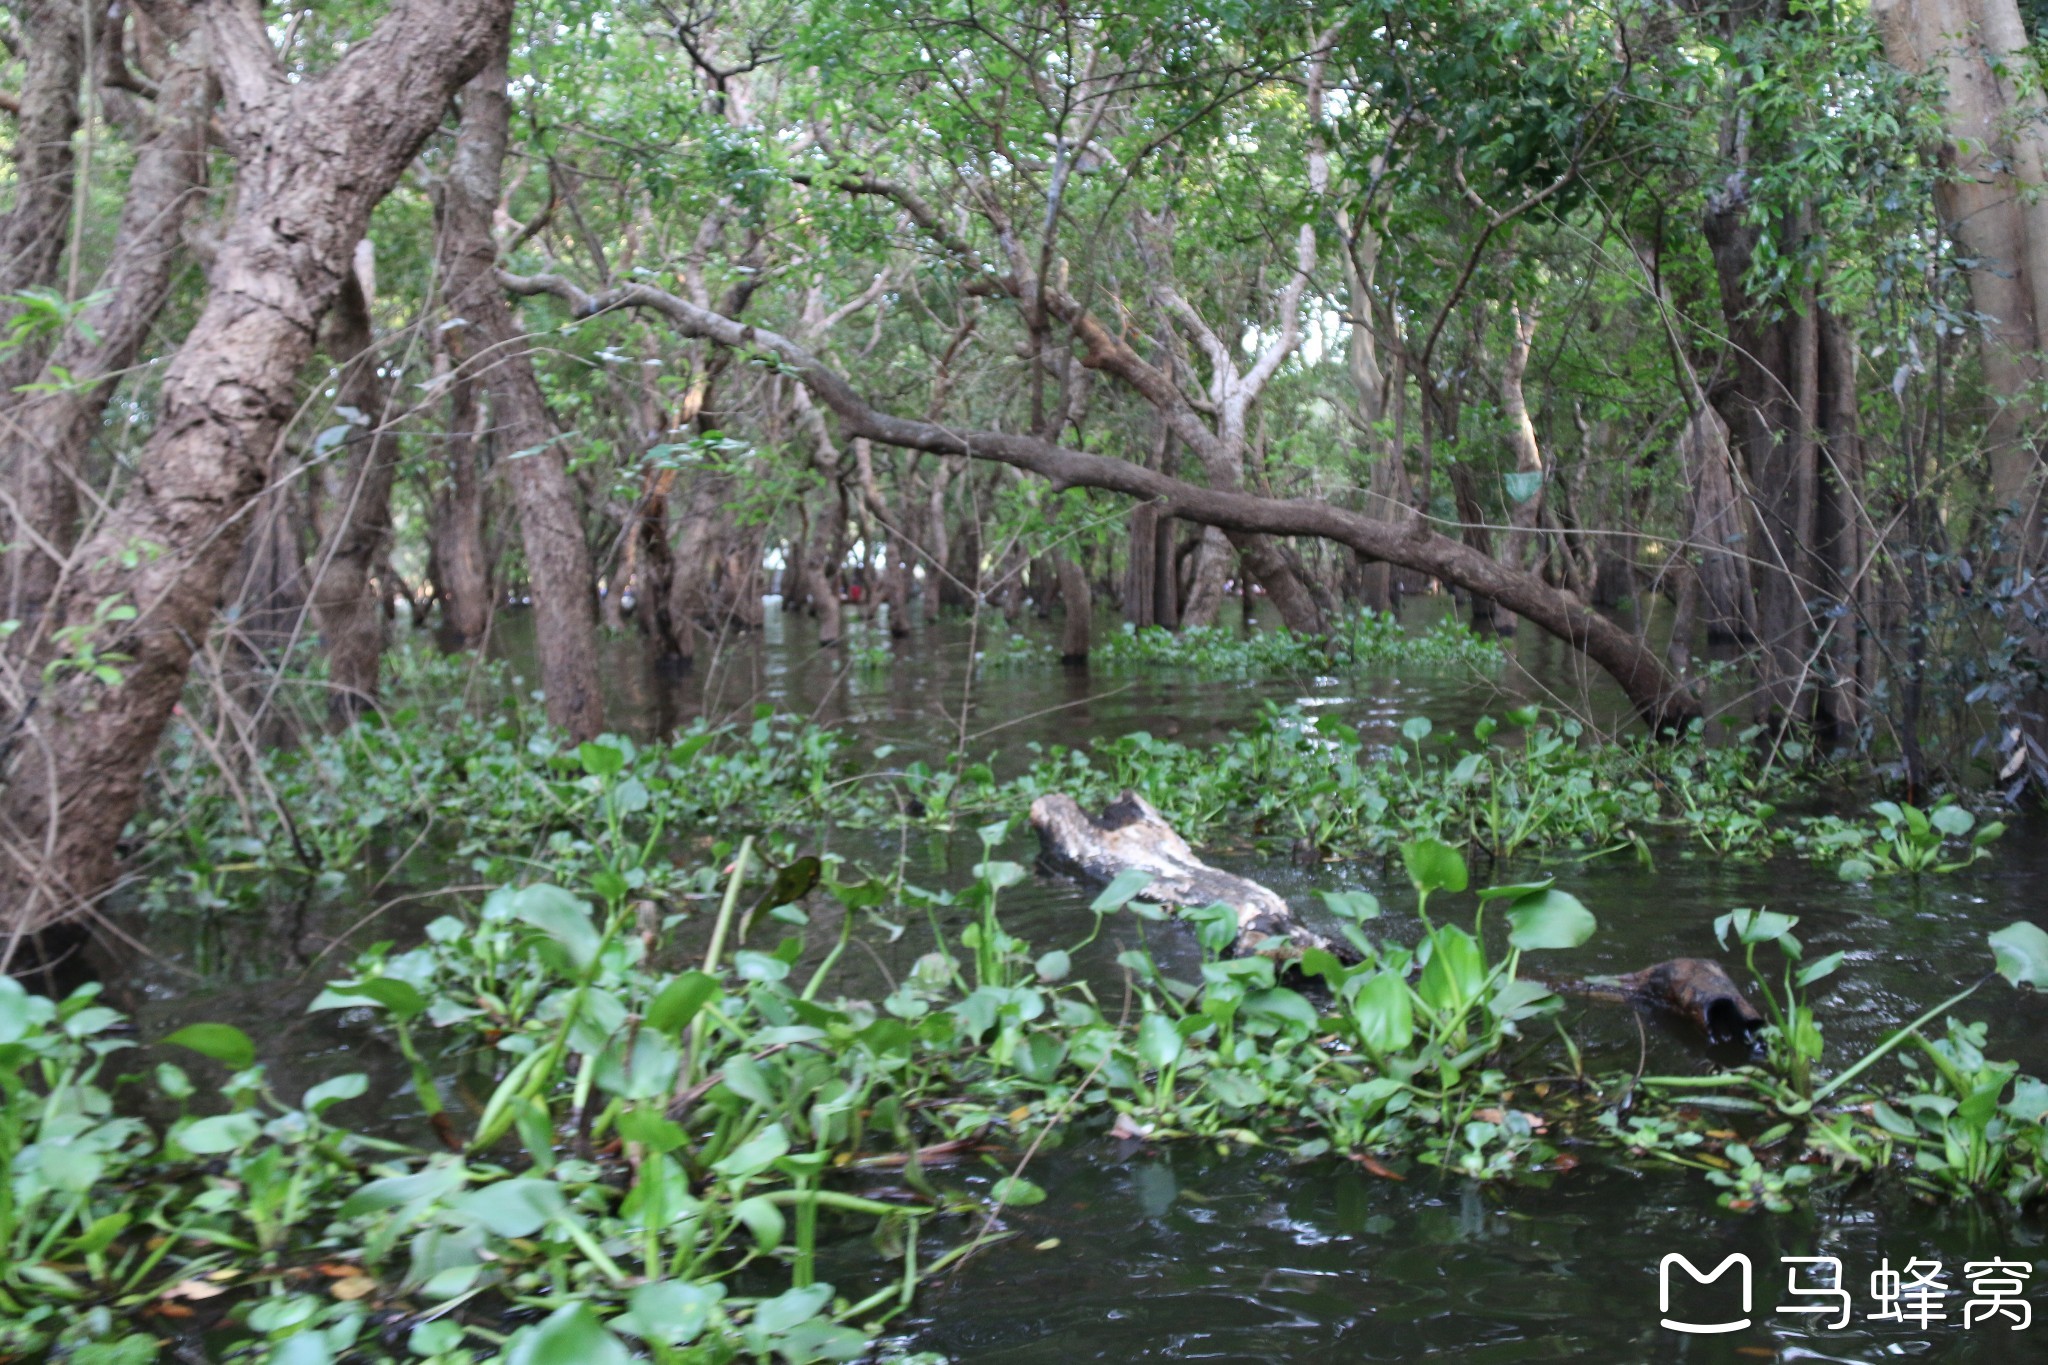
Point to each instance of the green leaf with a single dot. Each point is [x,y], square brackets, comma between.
[218,1135]
[1550,919]
[511,1208]
[754,1155]
[398,997]
[678,1001]
[1017,1192]
[1953,821]
[435,1182]
[999,875]
[1455,973]
[1856,870]
[2021,951]
[1282,1004]
[1121,889]
[647,1071]
[332,1092]
[1753,926]
[1159,1042]
[777,1315]
[571,1335]
[1384,1014]
[672,1312]
[73,1168]
[563,918]
[600,760]
[1054,966]
[1416,729]
[1815,970]
[19,1011]
[1352,906]
[1434,865]
[223,1042]
[763,1219]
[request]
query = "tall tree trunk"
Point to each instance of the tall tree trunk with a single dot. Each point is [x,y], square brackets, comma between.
[357,528]
[1772,411]
[45,431]
[1991,200]
[315,157]
[458,557]
[1079,608]
[34,230]
[1717,542]
[1143,563]
[551,529]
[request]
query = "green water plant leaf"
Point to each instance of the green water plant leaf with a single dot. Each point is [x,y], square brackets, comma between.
[2021,951]
[1434,865]
[1550,918]
[223,1042]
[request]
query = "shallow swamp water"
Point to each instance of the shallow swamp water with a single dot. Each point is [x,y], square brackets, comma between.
[1148,1251]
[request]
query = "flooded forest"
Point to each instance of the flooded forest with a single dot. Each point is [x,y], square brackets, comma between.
[998,681]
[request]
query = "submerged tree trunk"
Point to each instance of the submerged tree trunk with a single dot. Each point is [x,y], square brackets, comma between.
[315,156]
[1078,604]
[551,529]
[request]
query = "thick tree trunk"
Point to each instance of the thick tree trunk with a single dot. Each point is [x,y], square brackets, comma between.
[1773,413]
[1991,200]
[315,156]
[357,527]
[551,528]
[45,432]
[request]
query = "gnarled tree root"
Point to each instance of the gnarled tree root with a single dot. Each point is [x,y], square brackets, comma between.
[1129,834]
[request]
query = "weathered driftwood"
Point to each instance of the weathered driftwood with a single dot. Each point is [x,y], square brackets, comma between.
[1695,989]
[1129,834]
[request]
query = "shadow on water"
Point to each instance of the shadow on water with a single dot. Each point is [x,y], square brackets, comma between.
[1177,1253]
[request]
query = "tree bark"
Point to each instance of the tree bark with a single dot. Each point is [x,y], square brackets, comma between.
[45,431]
[1142,564]
[550,524]
[1990,201]
[34,231]
[358,521]
[459,561]
[315,155]
[1078,604]
[1718,539]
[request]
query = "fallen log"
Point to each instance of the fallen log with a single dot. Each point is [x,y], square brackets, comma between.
[1695,989]
[1131,834]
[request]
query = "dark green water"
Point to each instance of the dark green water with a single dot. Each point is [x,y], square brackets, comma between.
[1145,1252]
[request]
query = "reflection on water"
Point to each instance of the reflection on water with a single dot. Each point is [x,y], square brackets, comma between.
[1176,1253]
